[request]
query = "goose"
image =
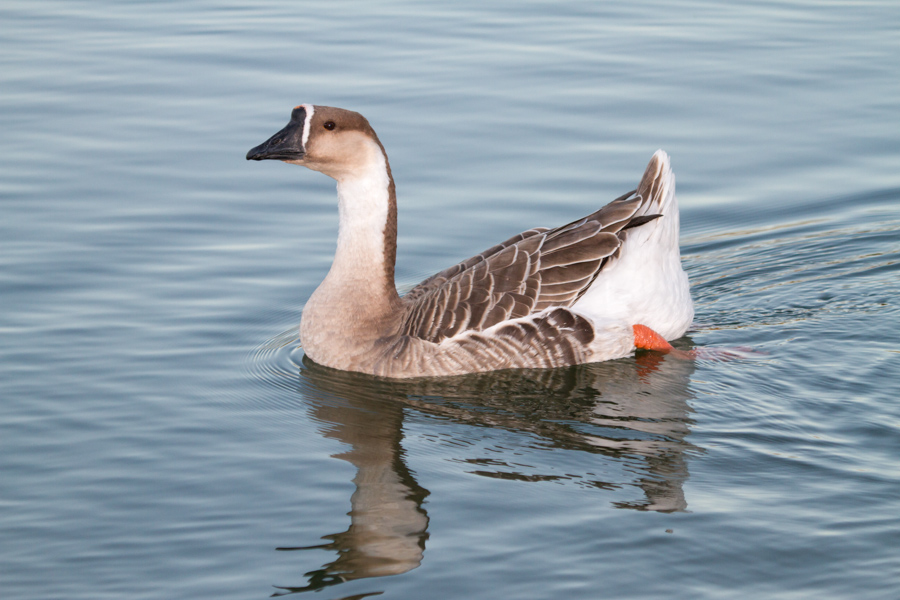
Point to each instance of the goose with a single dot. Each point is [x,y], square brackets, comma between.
[592,290]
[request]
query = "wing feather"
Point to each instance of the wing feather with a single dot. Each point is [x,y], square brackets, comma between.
[526,274]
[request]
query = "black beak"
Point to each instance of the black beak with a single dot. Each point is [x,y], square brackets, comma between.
[287,144]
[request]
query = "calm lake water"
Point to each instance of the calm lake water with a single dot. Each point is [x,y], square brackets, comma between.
[162,436]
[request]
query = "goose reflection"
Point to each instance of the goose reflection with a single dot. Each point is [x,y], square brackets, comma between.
[634,410]
[388,526]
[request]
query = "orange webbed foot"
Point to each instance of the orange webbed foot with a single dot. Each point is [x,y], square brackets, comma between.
[647,339]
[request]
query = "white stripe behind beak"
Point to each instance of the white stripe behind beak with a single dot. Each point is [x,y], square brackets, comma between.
[310,109]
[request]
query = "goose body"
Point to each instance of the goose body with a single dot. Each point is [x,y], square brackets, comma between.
[589,291]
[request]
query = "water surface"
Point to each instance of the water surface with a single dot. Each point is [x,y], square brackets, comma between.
[163,436]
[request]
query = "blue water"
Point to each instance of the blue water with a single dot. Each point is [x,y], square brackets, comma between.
[162,436]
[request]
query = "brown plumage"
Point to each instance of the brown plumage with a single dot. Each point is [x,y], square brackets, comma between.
[530,272]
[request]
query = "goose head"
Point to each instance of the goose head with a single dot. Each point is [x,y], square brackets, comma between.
[337,142]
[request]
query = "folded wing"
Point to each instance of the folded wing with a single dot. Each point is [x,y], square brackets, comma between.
[528,273]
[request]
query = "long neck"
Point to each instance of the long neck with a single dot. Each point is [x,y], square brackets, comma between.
[357,303]
[367,231]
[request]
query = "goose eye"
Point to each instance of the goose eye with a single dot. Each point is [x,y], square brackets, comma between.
[329,125]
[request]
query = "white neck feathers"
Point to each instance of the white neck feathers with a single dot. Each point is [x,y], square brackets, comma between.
[363,204]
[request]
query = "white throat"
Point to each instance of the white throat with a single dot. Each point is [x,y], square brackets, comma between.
[363,204]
